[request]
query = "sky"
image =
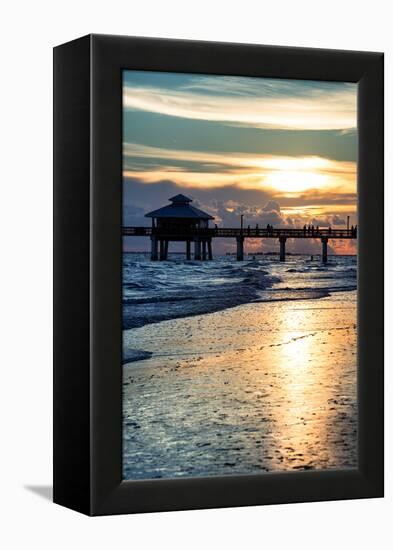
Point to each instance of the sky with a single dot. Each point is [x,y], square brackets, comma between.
[277,151]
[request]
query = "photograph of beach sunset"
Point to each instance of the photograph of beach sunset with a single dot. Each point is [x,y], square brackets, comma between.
[239,275]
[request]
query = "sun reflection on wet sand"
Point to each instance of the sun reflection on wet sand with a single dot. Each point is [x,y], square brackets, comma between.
[260,387]
[313,390]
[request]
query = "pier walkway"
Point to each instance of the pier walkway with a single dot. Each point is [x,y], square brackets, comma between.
[202,238]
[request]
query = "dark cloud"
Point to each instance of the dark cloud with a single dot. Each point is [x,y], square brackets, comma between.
[229,214]
[336,220]
[271,206]
[331,219]
[156,194]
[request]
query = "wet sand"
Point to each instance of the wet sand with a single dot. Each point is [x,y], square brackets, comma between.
[261,387]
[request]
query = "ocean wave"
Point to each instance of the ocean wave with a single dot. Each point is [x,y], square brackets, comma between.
[158,299]
[293,295]
[158,291]
[337,288]
[132,355]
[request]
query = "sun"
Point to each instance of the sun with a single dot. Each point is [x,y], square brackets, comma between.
[295,182]
[296,175]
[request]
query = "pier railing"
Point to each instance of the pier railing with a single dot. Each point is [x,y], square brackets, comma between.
[245,232]
[202,238]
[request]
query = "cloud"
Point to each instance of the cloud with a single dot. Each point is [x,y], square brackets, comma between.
[283,174]
[336,220]
[236,102]
[199,135]
[271,205]
[228,214]
[332,220]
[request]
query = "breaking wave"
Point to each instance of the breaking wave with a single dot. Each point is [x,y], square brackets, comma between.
[158,291]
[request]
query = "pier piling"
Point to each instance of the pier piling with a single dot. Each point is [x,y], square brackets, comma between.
[162,250]
[197,250]
[282,240]
[239,249]
[324,249]
[154,248]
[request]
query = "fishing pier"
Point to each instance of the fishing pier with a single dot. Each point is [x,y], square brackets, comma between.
[180,221]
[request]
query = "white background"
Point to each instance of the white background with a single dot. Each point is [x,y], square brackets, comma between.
[29,30]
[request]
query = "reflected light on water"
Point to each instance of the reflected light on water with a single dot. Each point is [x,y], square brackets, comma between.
[310,392]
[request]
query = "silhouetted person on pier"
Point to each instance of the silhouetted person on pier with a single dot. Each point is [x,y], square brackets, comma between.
[355,231]
[305,229]
[312,230]
[317,229]
[256,227]
[248,229]
[330,229]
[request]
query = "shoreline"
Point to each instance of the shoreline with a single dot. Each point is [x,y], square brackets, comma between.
[316,294]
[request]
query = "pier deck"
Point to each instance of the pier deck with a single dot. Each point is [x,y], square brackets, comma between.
[202,238]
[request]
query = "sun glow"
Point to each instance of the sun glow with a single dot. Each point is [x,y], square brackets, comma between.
[297,163]
[293,182]
[284,175]
[299,174]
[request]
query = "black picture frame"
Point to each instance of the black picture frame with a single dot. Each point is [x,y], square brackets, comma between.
[87,274]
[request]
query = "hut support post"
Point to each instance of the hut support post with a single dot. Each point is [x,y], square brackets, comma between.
[162,249]
[197,249]
[166,245]
[239,249]
[154,248]
[188,250]
[324,249]
[204,257]
[282,248]
[209,249]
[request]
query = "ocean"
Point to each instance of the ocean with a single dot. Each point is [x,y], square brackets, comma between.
[238,367]
[156,291]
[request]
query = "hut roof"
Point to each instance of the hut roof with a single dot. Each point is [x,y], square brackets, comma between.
[180,208]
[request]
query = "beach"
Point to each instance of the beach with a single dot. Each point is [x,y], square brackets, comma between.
[263,386]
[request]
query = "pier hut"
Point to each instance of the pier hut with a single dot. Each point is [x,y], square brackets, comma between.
[180,221]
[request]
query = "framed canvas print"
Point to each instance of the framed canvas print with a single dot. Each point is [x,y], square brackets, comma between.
[218,275]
